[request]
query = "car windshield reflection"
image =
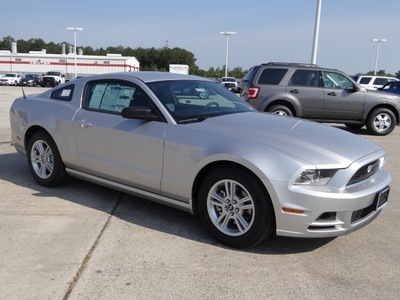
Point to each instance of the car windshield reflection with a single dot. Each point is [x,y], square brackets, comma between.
[194,101]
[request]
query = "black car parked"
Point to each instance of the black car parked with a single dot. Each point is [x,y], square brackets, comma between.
[31,80]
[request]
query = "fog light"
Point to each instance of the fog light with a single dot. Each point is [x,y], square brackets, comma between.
[327,216]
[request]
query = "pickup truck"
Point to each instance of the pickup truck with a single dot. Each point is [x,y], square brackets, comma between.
[53,78]
[230,83]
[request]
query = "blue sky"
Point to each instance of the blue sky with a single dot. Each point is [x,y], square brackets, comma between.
[267,30]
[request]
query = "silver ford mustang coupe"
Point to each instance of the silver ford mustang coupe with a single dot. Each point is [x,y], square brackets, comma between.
[189,143]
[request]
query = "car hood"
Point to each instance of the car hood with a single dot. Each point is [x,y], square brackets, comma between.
[311,141]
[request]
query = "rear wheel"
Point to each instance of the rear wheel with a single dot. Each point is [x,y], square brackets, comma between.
[235,208]
[44,160]
[381,121]
[281,110]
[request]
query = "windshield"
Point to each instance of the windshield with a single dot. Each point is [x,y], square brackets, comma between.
[197,100]
[227,79]
[10,75]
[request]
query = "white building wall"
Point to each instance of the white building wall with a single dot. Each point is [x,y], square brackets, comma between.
[40,63]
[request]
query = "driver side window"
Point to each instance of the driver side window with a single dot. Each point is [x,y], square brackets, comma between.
[333,80]
[112,96]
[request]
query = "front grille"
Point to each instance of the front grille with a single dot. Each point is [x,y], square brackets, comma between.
[229,84]
[365,172]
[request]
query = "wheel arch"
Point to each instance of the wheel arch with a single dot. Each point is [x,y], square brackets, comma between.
[31,131]
[387,106]
[212,166]
[286,103]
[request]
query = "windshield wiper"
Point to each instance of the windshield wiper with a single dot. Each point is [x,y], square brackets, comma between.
[192,120]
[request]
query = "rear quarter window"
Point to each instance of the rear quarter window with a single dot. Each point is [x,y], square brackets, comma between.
[64,94]
[272,76]
[250,75]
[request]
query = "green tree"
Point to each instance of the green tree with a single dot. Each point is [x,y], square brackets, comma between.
[151,59]
[5,44]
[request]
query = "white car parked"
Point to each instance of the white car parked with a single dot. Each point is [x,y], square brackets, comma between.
[373,82]
[11,79]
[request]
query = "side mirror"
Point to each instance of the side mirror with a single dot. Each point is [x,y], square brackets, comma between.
[353,88]
[138,112]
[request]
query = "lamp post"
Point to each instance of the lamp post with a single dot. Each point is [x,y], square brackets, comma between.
[377,41]
[227,34]
[75,29]
[316,33]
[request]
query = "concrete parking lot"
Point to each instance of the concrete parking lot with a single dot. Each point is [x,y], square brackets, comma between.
[83,241]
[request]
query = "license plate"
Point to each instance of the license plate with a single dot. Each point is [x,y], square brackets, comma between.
[382,197]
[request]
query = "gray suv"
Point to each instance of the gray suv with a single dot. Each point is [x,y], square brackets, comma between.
[319,94]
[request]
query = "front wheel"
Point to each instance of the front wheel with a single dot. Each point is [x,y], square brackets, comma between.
[44,160]
[281,110]
[381,121]
[235,207]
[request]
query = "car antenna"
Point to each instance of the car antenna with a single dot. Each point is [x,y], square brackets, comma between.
[23,92]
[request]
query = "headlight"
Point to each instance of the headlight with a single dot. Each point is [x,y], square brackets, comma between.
[314,177]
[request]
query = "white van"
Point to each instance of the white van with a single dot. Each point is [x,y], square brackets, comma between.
[373,82]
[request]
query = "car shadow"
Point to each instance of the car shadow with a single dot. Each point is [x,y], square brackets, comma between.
[139,211]
[360,131]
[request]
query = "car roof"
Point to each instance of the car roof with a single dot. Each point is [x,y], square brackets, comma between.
[298,65]
[375,76]
[149,76]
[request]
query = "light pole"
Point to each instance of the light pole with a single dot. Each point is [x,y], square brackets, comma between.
[227,34]
[316,33]
[377,41]
[75,29]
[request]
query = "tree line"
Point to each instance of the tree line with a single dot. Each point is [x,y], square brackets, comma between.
[151,59]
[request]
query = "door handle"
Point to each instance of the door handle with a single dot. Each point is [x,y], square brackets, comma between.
[85,124]
[332,94]
[294,91]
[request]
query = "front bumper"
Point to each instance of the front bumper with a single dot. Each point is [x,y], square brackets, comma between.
[48,81]
[329,211]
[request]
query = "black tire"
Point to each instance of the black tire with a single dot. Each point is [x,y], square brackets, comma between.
[381,121]
[281,110]
[221,212]
[354,126]
[44,160]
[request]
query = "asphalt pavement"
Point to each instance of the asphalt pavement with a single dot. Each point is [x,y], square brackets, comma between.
[84,241]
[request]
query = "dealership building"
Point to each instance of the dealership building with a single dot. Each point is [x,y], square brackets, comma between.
[71,63]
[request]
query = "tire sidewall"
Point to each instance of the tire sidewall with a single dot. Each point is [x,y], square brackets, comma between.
[276,108]
[58,172]
[264,217]
[370,122]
